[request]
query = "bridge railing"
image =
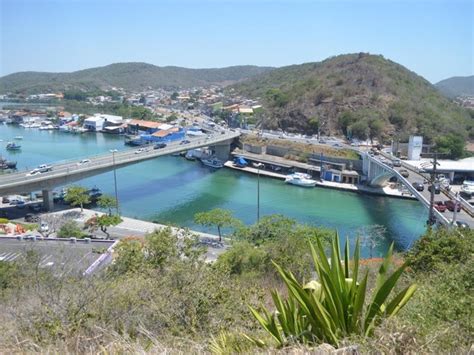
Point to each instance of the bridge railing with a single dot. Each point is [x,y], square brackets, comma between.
[414,192]
[122,157]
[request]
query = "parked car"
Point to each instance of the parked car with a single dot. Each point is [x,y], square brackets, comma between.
[31,218]
[404,173]
[436,188]
[450,205]
[5,199]
[159,146]
[462,225]
[440,206]
[138,151]
[184,142]
[44,168]
[418,186]
[36,207]
[44,228]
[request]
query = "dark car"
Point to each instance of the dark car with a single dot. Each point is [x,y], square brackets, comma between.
[5,199]
[418,186]
[404,173]
[159,146]
[436,188]
[462,225]
[185,142]
[36,207]
[439,206]
[450,205]
[31,218]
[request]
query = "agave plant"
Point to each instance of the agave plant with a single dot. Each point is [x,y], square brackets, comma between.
[334,306]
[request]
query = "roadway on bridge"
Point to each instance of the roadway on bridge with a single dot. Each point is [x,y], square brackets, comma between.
[413,177]
[22,182]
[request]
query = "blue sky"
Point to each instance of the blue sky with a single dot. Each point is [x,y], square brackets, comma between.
[433,38]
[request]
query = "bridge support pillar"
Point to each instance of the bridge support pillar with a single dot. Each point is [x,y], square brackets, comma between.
[48,202]
[222,152]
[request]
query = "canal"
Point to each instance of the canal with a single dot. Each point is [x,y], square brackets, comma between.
[171,190]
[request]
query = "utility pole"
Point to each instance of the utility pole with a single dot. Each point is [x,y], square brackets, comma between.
[259,165]
[115,181]
[455,208]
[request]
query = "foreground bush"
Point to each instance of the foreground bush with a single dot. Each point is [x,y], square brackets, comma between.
[333,307]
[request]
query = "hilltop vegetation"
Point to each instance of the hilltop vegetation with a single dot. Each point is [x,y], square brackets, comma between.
[457,86]
[358,95]
[130,76]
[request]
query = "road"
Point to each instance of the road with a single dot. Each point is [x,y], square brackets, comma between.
[413,177]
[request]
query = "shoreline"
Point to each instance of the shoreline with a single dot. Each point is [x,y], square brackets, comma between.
[361,189]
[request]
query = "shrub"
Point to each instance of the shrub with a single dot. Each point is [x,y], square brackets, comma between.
[70,229]
[439,247]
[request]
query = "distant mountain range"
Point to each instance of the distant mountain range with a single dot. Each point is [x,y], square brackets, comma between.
[457,86]
[130,76]
[355,94]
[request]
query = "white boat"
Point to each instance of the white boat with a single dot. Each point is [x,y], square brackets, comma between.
[19,137]
[212,162]
[467,188]
[300,179]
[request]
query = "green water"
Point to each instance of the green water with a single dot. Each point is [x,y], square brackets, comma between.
[172,189]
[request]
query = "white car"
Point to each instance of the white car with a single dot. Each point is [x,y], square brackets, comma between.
[44,228]
[138,151]
[84,161]
[43,168]
[34,172]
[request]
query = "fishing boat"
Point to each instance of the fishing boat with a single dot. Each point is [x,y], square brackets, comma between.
[212,162]
[300,179]
[13,146]
[7,164]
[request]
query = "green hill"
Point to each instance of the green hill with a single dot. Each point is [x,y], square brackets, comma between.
[355,94]
[457,86]
[130,76]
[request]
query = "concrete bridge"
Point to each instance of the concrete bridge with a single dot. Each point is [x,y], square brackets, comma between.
[379,173]
[71,171]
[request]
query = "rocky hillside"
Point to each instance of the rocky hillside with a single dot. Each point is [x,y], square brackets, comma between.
[130,76]
[457,86]
[357,95]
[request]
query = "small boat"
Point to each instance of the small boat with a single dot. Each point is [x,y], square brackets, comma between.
[212,162]
[190,156]
[13,146]
[7,164]
[18,137]
[300,179]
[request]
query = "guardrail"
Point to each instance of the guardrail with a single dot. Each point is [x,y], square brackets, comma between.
[413,191]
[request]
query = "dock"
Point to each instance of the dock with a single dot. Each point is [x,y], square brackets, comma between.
[382,191]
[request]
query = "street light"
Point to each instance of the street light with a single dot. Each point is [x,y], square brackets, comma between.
[113,151]
[258,166]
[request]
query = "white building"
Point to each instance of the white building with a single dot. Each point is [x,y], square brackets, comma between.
[99,121]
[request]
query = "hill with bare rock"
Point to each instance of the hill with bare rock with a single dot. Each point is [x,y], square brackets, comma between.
[358,95]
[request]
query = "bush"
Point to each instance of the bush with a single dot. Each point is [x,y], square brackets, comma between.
[70,229]
[439,247]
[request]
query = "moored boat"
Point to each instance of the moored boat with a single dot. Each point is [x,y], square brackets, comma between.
[212,162]
[300,179]
[13,146]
